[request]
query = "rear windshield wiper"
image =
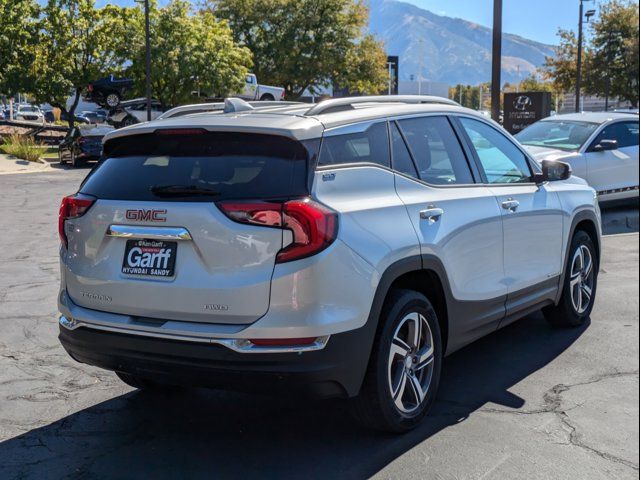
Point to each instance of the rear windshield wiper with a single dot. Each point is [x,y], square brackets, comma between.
[179,190]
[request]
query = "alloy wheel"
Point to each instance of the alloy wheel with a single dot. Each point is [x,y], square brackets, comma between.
[582,279]
[410,363]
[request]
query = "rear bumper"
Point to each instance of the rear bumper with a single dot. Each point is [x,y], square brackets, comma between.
[336,370]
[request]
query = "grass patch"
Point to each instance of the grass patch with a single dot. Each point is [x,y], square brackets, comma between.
[22,146]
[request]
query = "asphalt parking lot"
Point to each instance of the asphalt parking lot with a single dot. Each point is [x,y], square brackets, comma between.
[526,402]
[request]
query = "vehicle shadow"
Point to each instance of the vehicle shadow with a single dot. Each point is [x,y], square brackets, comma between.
[209,434]
[620,217]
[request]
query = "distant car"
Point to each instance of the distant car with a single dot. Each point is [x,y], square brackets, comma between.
[108,91]
[2,116]
[134,111]
[82,143]
[94,116]
[29,113]
[254,91]
[633,111]
[601,147]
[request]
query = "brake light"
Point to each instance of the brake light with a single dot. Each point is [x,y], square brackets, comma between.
[73,206]
[89,88]
[180,131]
[314,226]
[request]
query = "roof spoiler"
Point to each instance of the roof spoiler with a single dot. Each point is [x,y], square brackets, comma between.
[340,104]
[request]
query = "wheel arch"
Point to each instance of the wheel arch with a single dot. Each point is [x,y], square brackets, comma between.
[424,274]
[585,221]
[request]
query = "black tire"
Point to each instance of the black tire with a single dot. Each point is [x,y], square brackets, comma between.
[128,121]
[565,314]
[267,97]
[75,161]
[145,384]
[375,407]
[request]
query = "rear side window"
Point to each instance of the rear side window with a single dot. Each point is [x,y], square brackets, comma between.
[436,150]
[370,146]
[213,165]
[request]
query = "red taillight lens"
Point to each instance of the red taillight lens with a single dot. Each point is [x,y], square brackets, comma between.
[256,213]
[73,206]
[89,88]
[314,226]
[282,342]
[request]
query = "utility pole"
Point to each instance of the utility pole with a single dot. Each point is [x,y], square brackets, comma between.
[496,54]
[589,14]
[147,40]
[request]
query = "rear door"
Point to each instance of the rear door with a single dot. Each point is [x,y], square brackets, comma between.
[156,243]
[532,215]
[457,221]
[613,170]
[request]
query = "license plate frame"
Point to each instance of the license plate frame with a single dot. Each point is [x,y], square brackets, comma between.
[152,259]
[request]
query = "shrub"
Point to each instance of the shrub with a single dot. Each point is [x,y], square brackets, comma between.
[22,146]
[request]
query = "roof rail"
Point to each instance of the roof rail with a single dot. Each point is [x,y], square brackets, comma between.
[339,104]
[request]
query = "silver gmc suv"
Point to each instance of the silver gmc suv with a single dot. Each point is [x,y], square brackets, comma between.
[340,249]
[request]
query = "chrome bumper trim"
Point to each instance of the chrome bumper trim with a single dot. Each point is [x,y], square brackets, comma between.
[239,345]
[152,233]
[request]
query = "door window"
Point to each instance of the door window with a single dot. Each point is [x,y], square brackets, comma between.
[401,157]
[501,160]
[625,133]
[436,151]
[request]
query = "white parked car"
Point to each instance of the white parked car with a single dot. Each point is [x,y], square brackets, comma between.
[29,113]
[601,147]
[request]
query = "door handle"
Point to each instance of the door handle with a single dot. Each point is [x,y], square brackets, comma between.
[511,205]
[432,214]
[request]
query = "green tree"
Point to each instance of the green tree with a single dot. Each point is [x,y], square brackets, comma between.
[534,83]
[613,65]
[77,44]
[189,52]
[307,44]
[561,69]
[18,28]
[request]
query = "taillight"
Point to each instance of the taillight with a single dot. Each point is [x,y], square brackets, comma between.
[314,226]
[73,206]
[89,88]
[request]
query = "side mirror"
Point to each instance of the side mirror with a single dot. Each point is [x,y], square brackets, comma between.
[553,171]
[606,145]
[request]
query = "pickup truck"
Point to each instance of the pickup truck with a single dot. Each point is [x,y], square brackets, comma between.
[253,91]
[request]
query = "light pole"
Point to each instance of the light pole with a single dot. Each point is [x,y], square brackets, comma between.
[496,59]
[588,15]
[147,56]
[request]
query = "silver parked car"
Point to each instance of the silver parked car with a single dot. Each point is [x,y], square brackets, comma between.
[341,249]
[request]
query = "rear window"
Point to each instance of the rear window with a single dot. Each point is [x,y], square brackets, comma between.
[199,167]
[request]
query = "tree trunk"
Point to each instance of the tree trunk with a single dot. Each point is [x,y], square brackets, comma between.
[71,114]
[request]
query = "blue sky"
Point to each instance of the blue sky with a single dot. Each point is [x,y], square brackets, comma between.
[534,19]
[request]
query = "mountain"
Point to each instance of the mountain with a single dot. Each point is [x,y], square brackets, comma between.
[452,50]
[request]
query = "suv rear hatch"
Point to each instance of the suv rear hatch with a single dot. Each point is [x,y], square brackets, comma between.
[183,224]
